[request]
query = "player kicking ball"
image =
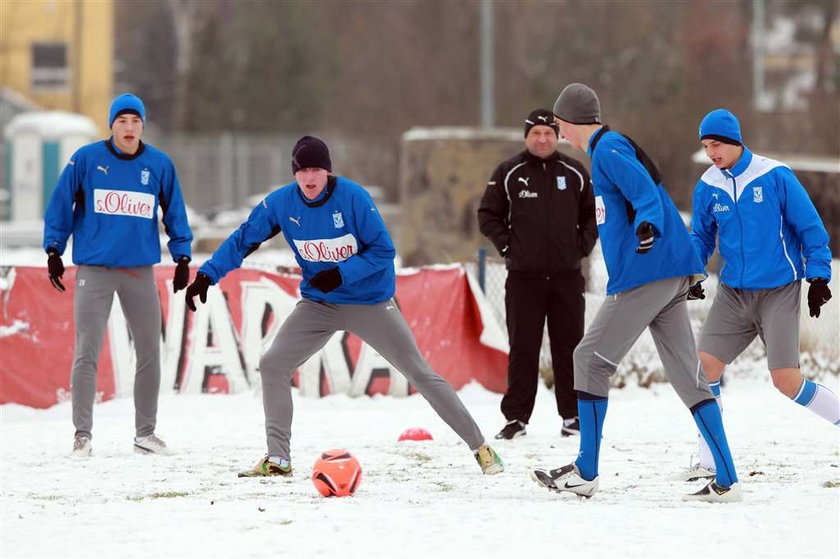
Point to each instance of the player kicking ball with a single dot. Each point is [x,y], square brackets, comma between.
[346,258]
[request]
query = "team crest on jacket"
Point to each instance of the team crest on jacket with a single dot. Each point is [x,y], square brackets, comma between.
[144,177]
[758,194]
[338,220]
[561,183]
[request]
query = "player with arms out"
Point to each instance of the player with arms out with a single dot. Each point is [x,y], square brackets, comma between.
[346,258]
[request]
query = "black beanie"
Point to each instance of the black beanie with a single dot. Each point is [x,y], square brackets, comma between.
[541,117]
[309,152]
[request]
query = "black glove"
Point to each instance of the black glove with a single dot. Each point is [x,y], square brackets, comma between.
[818,295]
[56,269]
[696,292]
[182,274]
[327,280]
[645,234]
[198,287]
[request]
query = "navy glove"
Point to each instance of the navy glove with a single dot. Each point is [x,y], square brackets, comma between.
[327,280]
[198,287]
[644,233]
[696,292]
[818,295]
[56,269]
[182,274]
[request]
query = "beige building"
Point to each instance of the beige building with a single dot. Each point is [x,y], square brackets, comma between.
[59,54]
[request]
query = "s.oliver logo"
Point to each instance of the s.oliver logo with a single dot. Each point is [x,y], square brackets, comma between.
[124,202]
[600,211]
[328,250]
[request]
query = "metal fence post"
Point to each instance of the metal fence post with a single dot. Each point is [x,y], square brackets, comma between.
[482,268]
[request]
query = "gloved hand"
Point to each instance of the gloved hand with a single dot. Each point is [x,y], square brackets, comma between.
[56,269]
[644,233]
[696,292]
[327,280]
[182,274]
[198,287]
[818,295]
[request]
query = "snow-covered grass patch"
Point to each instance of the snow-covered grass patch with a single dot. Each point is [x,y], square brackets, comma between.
[416,499]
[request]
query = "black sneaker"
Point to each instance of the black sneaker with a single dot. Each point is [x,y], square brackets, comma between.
[511,430]
[571,427]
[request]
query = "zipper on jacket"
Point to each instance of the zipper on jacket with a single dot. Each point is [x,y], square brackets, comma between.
[741,224]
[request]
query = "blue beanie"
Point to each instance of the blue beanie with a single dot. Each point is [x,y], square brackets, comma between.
[126,103]
[721,125]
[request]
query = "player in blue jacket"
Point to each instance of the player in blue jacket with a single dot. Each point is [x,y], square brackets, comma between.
[108,198]
[770,238]
[649,261]
[347,261]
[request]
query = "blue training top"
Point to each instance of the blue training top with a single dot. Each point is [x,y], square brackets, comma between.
[342,228]
[109,201]
[619,179]
[768,229]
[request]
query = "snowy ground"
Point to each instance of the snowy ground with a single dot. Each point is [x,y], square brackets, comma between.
[416,499]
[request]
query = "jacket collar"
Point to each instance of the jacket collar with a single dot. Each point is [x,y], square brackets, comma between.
[125,156]
[741,165]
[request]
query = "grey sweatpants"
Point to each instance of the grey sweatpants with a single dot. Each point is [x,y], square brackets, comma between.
[94,293]
[660,306]
[382,326]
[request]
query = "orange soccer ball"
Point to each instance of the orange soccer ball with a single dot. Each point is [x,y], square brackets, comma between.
[336,473]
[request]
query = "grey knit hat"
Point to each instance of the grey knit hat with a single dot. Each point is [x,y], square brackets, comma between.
[578,104]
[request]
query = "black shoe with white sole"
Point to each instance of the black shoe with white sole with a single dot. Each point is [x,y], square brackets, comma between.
[511,430]
[571,427]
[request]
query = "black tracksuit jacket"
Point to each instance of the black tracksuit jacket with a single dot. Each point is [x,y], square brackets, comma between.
[539,213]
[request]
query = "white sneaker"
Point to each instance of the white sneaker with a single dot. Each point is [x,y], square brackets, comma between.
[151,445]
[714,493]
[82,448]
[695,472]
[566,478]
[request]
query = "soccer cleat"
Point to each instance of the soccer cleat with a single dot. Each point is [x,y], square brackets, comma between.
[694,473]
[488,460]
[511,430]
[714,493]
[571,427]
[82,447]
[566,479]
[267,468]
[151,445]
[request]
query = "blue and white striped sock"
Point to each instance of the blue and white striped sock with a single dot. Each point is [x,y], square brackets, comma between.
[819,400]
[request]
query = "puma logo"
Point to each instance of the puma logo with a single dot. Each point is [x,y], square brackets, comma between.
[525,180]
[103,169]
[295,220]
[543,118]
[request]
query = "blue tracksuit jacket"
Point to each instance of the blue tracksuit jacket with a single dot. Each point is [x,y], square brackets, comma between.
[109,201]
[619,179]
[342,228]
[768,229]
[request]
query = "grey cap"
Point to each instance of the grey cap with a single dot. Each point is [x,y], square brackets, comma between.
[578,104]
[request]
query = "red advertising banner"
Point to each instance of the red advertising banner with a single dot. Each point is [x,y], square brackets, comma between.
[218,348]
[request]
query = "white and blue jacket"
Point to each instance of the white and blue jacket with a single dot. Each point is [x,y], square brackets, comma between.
[341,228]
[109,201]
[767,227]
[624,187]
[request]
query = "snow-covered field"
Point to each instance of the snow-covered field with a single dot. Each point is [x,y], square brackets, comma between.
[424,499]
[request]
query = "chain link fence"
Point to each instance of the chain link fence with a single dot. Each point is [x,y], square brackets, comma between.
[819,338]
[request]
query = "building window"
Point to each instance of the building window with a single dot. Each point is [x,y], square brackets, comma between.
[49,66]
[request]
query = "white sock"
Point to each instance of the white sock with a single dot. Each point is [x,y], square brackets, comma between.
[819,400]
[706,459]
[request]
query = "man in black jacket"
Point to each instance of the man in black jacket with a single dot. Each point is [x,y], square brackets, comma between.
[539,212]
